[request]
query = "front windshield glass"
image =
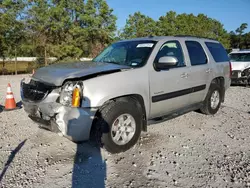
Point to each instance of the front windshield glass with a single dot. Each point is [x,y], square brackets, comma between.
[130,53]
[240,57]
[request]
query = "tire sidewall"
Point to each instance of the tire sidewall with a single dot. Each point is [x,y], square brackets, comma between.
[213,88]
[122,108]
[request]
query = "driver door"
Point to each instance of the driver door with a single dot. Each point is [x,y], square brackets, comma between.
[169,89]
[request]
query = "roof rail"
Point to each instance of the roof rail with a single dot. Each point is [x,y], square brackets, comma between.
[195,37]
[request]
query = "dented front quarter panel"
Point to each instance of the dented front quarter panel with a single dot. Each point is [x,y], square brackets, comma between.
[128,82]
[73,123]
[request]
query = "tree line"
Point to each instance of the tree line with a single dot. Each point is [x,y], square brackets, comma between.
[82,28]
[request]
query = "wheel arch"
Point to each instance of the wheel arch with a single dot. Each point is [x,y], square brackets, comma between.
[221,82]
[138,100]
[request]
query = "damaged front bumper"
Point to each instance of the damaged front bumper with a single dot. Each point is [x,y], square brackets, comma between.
[73,123]
[240,77]
[240,81]
[40,101]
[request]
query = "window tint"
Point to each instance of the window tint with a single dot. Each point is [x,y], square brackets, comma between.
[196,53]
[171,48]
[218,52]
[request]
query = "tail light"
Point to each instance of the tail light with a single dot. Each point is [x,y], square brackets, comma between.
[230,67]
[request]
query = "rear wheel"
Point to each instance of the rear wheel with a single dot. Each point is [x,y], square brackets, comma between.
[213,100]
[119,125]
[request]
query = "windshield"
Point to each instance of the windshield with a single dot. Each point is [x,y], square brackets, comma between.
[131,53]
[240,57]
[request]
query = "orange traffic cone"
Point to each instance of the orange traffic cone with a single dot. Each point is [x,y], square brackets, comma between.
[10,103]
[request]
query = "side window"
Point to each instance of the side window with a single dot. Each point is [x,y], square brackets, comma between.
[217,51]
[196,53]
[171,48]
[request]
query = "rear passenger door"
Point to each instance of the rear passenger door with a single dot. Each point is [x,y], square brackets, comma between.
[200,71]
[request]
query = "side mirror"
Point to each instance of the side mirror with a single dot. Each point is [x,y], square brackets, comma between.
[166,62]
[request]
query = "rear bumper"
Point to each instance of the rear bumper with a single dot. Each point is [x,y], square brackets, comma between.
[73,123]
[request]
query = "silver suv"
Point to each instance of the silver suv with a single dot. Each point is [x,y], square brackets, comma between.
[127,84]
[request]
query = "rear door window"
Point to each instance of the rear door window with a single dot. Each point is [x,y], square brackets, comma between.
[196,53]
[217,51]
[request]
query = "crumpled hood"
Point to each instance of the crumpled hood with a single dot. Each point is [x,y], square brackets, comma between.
[239,65]
[57,73]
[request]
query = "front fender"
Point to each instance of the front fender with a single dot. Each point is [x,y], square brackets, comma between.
[98,90]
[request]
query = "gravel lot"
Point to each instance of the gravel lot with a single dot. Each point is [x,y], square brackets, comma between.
[192,150]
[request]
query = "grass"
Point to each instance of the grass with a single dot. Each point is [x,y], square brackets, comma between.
[22,67]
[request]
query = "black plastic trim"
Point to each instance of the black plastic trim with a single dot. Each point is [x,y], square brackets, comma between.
[179,93]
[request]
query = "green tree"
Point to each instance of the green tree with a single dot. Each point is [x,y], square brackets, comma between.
[70,29]
[100,24]
[39,24]
[240,31]
[139,25]
[246,41]
[64,16]
[188,24]
[167,24]
[11,28]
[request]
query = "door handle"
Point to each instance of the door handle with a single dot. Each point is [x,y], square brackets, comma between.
[208,70]
[184,75]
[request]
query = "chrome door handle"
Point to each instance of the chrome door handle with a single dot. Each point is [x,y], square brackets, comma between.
[184,75]
[208,70]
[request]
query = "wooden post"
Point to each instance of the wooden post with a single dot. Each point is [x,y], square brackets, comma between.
[15,62]
[45,56]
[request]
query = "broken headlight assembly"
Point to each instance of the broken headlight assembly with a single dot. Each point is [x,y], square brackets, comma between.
[71,94]
[246,72]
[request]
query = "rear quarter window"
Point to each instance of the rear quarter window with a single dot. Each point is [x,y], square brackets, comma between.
[217,51]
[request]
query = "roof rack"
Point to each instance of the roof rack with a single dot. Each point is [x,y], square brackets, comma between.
[195,37]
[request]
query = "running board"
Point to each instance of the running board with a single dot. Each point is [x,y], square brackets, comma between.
[174,114]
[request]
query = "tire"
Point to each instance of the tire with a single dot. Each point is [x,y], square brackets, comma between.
[207,105]
[108,117]
[248,82]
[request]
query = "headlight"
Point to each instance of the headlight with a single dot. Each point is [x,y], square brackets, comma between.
[71,94]
[246,72]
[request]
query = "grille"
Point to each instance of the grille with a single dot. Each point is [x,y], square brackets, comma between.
[35,91]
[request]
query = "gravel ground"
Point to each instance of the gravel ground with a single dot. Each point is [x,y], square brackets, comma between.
[192,150]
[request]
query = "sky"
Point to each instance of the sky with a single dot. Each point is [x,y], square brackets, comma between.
[231,13]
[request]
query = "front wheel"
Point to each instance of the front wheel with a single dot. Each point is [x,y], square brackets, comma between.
[120,125]
[213,100]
